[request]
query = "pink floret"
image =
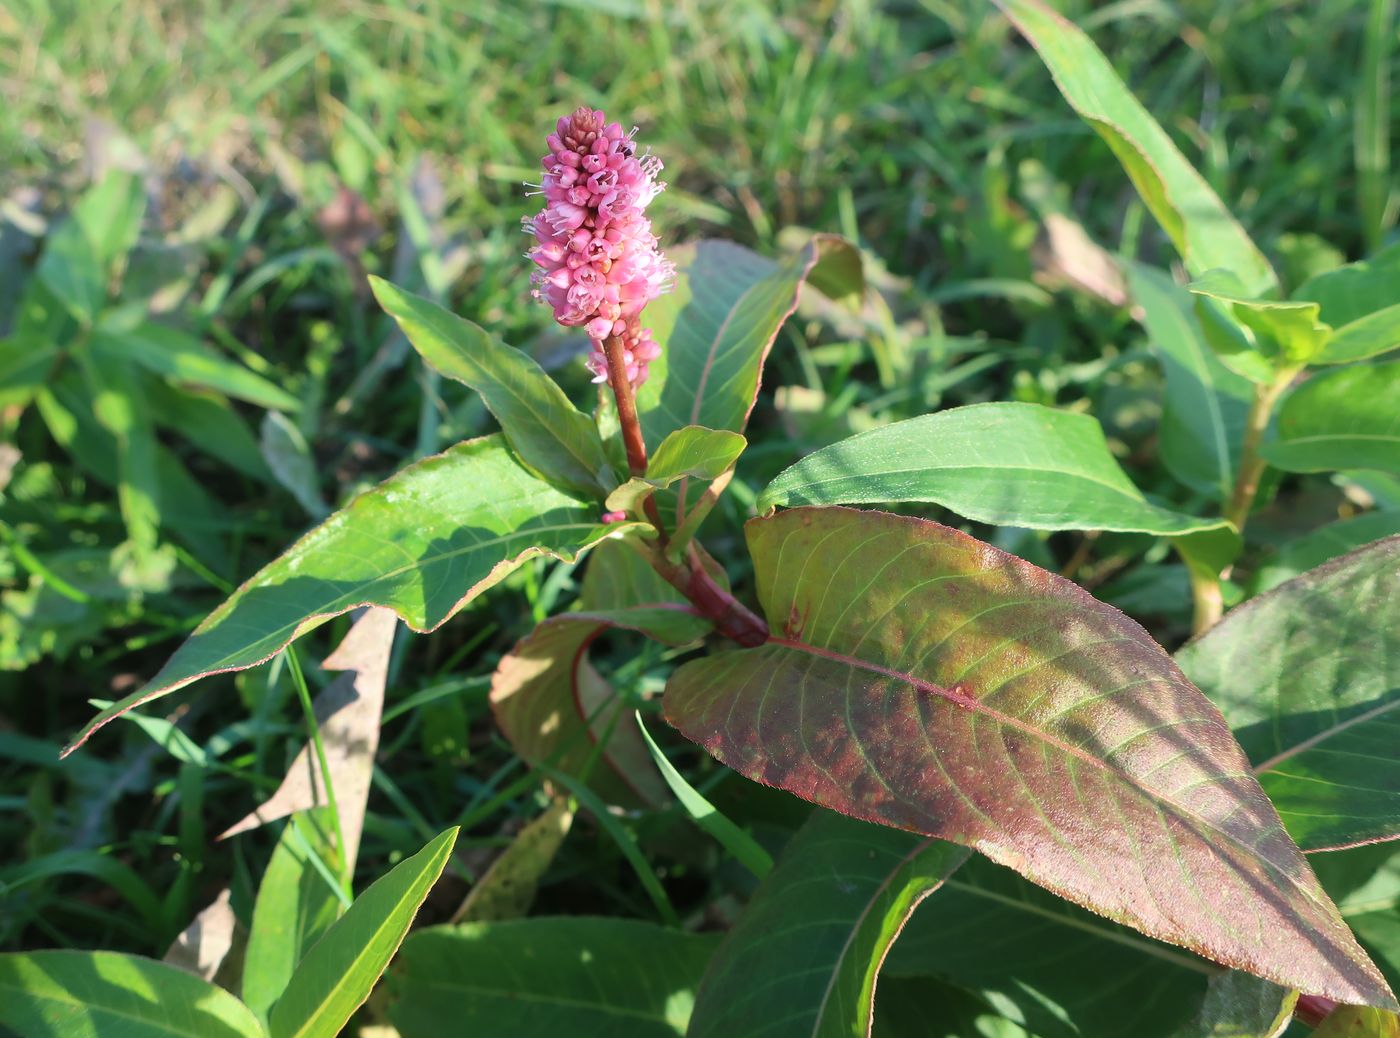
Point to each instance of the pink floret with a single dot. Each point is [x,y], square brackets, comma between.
[599,262]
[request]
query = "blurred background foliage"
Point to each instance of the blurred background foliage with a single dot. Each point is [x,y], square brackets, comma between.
[259,157]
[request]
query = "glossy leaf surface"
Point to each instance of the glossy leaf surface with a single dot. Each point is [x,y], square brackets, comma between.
[803,958]
[549,434]
[922,679]
[423,543]
[692,452]
[1009,464]
[1313,694]
[580,976]
[1195,219]
[337,974]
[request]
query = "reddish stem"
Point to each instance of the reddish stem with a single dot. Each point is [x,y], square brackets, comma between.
[1313,1009]
[730,616]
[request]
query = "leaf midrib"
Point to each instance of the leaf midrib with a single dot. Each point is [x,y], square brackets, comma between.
[968,702]
[528,996]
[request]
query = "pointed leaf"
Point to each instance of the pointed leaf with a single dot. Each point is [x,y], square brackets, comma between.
[1345,419]
[1009,464]
[180,357]
[922,679]
[507,889]
[1205,404]
[337,974]
[295,905]
[423,543]
[81,994]
[1195,219]
[577,976]
[203,945]
[1314,695]
[1369,336]
[717,325]
[736,841]
[348,712]
[545,430]
[692,452]
[803,958]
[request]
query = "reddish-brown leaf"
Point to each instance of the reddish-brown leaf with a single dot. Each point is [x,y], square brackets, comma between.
[922,679]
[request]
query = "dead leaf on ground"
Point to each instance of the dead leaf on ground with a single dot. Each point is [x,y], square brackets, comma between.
[348,711]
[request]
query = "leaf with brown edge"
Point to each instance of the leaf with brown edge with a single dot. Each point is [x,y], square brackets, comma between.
[927,681]
[423,543]
[1308,677]
[553,706]
[804,957]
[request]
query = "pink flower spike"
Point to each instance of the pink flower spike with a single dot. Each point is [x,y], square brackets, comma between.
[600,263]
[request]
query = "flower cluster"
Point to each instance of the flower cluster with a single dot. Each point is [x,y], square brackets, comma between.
[599,262]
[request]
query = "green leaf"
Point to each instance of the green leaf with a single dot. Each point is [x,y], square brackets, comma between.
[1197,222]
[294,907]
[546,431]
[180,357]
[803,958]
[921,1007]
[552,705]
[1239,1005]
[1027,954]
[288,458]
[207,420]
[82,994]
[1366,883]
[1326,542]
[423,543]
[692,452]
[26,361]
[1367,337]
[1356,291]
[338,973]
[1284,334]
[118,406]
[1205,404]
[1314,696]
[717,326]
[110,215]
[922,679]
[1346,419]
[577,976]
[1358,1022]
[1008,464]
[736,841]
[71,269]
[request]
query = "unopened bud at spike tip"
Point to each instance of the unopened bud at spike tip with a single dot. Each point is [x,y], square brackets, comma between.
[599,263]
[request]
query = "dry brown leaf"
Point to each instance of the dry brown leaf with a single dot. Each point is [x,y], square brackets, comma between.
[348,711]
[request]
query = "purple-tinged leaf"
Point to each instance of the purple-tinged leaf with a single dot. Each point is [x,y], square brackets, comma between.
[927,681]
[1308,676]
[804,957]
[553,706]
